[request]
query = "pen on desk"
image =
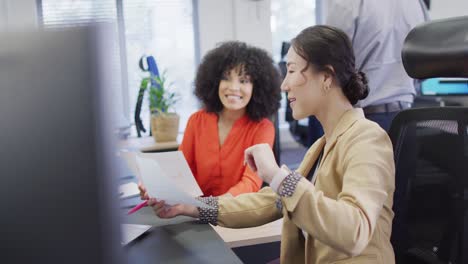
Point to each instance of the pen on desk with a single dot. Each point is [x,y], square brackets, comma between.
[138,207]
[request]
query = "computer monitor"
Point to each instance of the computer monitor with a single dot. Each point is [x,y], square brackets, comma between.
[444,86]
[56,193]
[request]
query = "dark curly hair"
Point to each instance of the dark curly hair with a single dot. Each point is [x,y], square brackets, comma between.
[255,62]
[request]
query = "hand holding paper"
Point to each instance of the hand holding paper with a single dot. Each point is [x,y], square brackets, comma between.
[158,185]
[163,210]
[167,177]
[169,211]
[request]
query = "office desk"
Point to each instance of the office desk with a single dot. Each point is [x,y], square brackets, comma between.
[187,242]
[239,237]
[173,241]
[147,144]
[242,237]
[259,244]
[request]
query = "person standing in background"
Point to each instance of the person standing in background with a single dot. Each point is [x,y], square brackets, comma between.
[377,30]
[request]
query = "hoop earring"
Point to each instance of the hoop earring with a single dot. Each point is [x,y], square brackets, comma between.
[325,90]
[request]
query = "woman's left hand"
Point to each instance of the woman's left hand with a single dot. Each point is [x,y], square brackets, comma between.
[169,211]
[261,159]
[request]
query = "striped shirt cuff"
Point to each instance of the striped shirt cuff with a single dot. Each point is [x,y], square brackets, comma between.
[208,215]
[289,184]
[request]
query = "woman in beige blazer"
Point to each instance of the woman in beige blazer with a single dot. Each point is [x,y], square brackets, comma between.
[337,207]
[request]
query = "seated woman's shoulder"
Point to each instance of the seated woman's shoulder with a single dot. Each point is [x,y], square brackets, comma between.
[365,134]
[201,114]
[265,123]
[366,127]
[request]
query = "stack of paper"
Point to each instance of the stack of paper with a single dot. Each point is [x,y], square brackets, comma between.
[128,190]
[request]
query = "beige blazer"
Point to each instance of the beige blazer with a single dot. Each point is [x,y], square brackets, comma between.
[346,215]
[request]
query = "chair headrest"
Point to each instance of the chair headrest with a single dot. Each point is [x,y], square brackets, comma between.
[437,49]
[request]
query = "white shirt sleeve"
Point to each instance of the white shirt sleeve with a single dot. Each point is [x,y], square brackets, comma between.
[343,14]
[279,177]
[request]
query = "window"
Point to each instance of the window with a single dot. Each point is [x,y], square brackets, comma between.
[288,18]
[161,28]
[68,13]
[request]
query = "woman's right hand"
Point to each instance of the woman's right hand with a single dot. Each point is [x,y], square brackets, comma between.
[143,193]
[163,210]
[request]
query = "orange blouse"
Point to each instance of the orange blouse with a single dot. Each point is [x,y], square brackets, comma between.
[220,169]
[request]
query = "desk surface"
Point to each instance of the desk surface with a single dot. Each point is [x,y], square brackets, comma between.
[147,144]
[233,238]
[238,237]
[241,237]
[173,241]
[181,243]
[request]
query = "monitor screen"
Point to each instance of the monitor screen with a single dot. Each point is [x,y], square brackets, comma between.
[57,193]
[444,86]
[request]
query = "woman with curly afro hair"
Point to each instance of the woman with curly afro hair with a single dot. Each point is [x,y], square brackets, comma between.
[239,89]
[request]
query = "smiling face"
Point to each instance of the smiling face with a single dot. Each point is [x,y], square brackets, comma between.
[304,87]
[235,89]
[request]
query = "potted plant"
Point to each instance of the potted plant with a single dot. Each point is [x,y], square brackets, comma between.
[164,122]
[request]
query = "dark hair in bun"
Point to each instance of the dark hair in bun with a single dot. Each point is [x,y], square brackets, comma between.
[357,88]
[323,46]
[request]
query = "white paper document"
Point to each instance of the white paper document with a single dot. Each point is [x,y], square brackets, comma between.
[176,168]
[130,159]
[166,176]
[174,189]
[131,232]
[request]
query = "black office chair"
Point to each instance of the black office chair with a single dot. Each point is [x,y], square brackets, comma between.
[431,157]
[431,154]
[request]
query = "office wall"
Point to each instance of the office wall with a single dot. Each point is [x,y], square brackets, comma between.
[3,16]
[17,14]
[448,8]
[243,20]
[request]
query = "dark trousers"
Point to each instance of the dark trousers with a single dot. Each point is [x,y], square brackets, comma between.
[383,119]
[384,114]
